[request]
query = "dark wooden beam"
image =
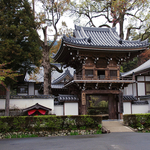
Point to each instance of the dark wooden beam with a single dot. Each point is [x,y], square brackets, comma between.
[102,91]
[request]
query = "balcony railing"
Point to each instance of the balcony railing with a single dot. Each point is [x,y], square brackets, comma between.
[91,77]
[101,77]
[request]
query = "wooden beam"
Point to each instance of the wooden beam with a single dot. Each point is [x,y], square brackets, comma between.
[102,91]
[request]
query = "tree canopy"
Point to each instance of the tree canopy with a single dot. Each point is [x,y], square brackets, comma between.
[6,73]
[114,12]
[19,41]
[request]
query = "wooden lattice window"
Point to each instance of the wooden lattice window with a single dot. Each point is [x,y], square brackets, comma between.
[89,72]
[113,73]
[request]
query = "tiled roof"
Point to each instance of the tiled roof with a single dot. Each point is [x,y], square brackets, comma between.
[142,67]
[101,38]
[39,77]
[68,98]
[144,97]
[62,77]
[58,103]
[140,103]
[36,106]
[129,98]
[57,86]
[30,97]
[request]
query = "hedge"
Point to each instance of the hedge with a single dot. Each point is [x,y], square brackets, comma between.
[48,123]
[139,121]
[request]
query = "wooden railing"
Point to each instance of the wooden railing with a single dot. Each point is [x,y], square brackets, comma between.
[91,77]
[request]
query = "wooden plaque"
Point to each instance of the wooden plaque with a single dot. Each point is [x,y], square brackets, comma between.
[83,98]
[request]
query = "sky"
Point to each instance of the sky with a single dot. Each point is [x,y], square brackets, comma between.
[69,21]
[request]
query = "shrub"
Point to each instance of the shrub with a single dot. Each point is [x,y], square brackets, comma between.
[139,121]
[48,122]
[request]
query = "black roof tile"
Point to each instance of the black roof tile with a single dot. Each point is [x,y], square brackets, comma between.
[102,38]
[140,103]
[68,98]
[59,79]
[129,98]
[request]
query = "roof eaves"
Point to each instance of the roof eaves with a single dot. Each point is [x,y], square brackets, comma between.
[67,72]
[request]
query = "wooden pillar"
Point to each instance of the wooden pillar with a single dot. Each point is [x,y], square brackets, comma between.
[83,73]
[75,77]
[120,104]
[118,74]
[112,106]
[133,76]
[83,101]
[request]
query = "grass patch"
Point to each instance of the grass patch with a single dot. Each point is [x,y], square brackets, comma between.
[20,136]
[74,133]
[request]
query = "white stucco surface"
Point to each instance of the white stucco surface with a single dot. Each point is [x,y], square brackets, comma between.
[31,89]
[58,110]
[134,89]
[147,78]
[140,78]
[24,103]
[148,104]
[141,89]
[126,108]
[129,90]
[71,109]
[139,109]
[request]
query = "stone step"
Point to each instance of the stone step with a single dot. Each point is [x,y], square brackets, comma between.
[115,126]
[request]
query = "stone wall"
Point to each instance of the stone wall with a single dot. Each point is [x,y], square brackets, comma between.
[49,133]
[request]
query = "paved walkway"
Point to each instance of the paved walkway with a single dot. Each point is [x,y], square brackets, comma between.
[112,141]
[116,126]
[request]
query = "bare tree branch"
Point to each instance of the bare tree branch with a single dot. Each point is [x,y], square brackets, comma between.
[129,31]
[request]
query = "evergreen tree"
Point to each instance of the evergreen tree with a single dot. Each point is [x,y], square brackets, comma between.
[19,41]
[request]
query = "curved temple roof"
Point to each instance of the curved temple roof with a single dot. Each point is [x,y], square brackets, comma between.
[102,38]
[142,67]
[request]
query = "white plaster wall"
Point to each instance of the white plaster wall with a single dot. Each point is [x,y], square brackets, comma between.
[2,103]
[134,89]
[140,78]
[36,92]
[125,91]
[22,93]
[58,110]
[71,109]
[126,108]
[129,90]
[147,78]
[148,104]
[31,89]
[24,103]
[140,109]
[141,89]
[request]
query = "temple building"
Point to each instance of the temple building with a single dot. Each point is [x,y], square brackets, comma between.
[96,55]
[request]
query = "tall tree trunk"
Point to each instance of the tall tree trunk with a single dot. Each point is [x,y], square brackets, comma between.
[46,65]
[47,71]
[121,22]
[7,101]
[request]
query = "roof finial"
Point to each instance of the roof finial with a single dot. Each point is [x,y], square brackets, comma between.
[89,39]
[120,41]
